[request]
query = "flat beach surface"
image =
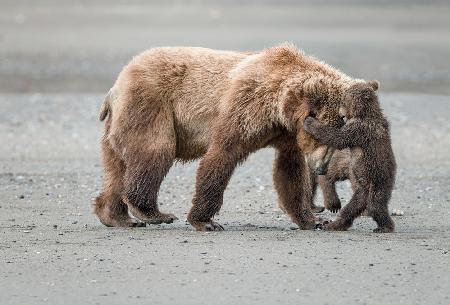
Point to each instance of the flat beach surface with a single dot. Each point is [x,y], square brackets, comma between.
[59,58]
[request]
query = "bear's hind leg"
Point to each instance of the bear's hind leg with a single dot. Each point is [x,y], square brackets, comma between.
[148,158]
[143,179]
[108,206]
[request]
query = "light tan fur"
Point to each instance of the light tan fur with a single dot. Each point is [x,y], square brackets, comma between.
[184,103]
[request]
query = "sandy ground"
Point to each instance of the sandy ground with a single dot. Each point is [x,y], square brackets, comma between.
[53,74]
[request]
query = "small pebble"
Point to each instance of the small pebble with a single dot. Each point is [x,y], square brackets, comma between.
[397,212]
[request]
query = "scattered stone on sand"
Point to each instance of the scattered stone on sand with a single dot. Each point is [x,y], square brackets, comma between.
[397,212]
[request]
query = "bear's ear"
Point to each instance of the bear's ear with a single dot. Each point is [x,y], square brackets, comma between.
[374,84]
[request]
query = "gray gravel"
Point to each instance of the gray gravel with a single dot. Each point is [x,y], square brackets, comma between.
[58,58]
[55,250]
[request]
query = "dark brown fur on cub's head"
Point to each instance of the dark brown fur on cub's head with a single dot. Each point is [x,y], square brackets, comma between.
[361,100]
[321,98]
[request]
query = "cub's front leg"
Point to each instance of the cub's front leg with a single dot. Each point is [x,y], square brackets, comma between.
[350,135]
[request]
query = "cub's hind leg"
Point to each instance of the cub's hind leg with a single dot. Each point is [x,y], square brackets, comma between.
[313,184]
[378,210]
[330,197]
[338,170]
[108,206]
[352,210]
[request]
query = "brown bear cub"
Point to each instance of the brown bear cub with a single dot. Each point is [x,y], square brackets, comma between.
[184,103]
[338,170]
[372,163]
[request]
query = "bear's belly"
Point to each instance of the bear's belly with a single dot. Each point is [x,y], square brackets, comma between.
[192,141]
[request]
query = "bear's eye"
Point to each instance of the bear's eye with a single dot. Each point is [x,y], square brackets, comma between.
[344,118]
[340,121]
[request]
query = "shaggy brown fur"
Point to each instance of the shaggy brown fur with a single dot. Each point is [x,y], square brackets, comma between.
[185,103]
[372,165]
[338,170]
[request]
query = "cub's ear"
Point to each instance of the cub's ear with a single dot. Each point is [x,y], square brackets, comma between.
[374,84]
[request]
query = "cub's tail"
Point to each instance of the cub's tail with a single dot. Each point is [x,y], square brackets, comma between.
[106,107]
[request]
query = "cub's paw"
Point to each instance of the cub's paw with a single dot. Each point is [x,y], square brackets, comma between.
[207,226]
[333,206]
[336,226]
[383,230]
[308,125]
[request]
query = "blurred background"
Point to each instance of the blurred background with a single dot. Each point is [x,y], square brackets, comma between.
[80,46]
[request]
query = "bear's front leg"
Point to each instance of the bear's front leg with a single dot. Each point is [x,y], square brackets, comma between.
[213,175]
[292,182]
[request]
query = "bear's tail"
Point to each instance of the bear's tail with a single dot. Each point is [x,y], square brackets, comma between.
[106,107]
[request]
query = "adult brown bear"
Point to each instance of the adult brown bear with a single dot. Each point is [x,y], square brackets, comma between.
[185,103]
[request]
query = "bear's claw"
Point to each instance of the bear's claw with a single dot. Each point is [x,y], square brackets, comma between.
[208,226]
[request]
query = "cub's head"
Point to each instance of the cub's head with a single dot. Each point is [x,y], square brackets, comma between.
[360,100]
[316,98]
[317,155]
[330,107]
